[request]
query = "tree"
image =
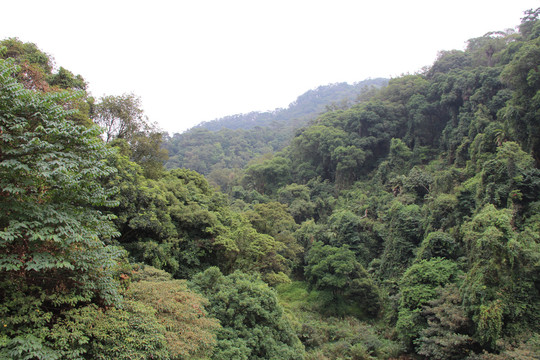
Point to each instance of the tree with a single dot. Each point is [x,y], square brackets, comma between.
[126,333]
[297,197]
[503,175]
[253,323]
[499,291]
[266,177]
[336,270]
[447,335]
[245,249]
[188,330]
[402,236]
[438,244]
[418,286]
[354,231]
[34,64]
[36,72]
[53,253]
[523,75]
[120,116]
[273,219]
[529,26]
[123,119]
[448,60]
[65,79]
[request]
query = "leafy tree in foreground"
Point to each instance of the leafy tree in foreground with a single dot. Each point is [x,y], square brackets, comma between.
[53,257]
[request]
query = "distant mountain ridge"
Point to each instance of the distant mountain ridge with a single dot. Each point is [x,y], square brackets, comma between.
[231,142]
[311,103]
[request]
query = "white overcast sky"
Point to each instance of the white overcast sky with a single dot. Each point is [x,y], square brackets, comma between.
[197,60]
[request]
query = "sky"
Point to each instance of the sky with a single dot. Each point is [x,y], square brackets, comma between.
[197,60]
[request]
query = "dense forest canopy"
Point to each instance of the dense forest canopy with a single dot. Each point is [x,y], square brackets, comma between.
[404,223]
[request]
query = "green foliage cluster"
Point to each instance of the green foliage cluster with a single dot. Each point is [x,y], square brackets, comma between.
[36,71]
[326,336]
[253,322]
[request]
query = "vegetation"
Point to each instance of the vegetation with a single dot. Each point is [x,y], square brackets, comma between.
[404,224]
[218,149]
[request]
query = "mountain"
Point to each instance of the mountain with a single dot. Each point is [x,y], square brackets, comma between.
[232,141]
[307,105]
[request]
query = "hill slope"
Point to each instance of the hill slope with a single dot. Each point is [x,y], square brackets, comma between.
[232,141]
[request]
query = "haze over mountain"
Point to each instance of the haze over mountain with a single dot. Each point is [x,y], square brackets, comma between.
[232,141]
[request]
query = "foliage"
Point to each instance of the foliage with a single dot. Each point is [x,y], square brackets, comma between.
[414,207]
[418,286]
[233,141]
[188,330]
[253,323]
[447,333]
[36,71]
[336,270]
[52,237]
[438,244]
[499,289]
[124,122]
[247,250]
[403,234]
[132,332]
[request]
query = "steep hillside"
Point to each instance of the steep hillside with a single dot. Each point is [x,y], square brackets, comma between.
[231,142]
[306,106]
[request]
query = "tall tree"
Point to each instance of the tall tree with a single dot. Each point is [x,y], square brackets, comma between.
[121,116]
[53,255]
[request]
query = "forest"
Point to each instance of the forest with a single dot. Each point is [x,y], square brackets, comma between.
[223,146]
[401,222]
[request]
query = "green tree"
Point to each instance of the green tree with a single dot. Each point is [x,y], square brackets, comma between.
[447,335]
[336,270]
[503,175]
[52,237]
[188,330]
[245,249]
[298,198]
[438,244]
[523,75]
[266,177]
[121,117]
[253,323]
[34,64]
[130,332]
[354,231]
[36,72]
[273,219]
[402,235]
[65,79]
[418,286]
[499,291]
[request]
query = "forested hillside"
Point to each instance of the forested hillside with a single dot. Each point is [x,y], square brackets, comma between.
[406,225]
[220,147]
[303,109]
